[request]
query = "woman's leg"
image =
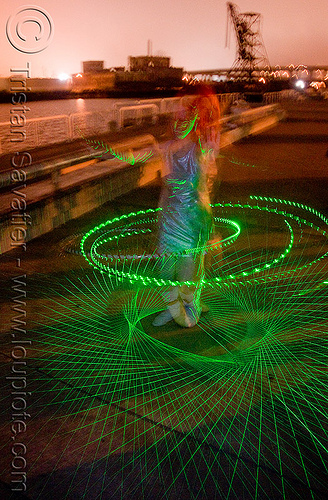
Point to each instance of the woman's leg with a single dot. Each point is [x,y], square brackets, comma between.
[192,269]
[166,269]
[181,269]
[188,268]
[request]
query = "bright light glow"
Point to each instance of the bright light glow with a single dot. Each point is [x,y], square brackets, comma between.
[78,75]
[300,84]
[219,78]
[63,77]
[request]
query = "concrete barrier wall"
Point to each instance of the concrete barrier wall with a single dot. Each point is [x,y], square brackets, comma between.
[289,95]
[38,132]
[49,213]
[246,126]
[69,200]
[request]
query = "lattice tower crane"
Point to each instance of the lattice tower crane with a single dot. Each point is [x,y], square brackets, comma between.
[251,53]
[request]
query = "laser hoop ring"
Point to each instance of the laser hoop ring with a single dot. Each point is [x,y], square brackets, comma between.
[120,228]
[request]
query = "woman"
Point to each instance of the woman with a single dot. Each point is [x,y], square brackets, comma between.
[186,221]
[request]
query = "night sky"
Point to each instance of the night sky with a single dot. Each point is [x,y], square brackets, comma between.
[191,32]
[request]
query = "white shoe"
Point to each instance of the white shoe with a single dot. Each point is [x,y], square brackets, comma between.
[163,318]
[184,316]
[192,314]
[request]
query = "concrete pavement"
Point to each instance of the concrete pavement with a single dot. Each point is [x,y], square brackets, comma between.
[233,408]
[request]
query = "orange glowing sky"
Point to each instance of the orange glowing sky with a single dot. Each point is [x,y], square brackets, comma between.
[191,32]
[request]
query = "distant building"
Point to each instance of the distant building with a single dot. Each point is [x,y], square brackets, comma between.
[93,78]
[93,81]
[117,68]
[157,76]
[146,63]
[92,66]
[149,70]
[145,72]
[35,85]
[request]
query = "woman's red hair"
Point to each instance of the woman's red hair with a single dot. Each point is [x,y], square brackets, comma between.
[206,106]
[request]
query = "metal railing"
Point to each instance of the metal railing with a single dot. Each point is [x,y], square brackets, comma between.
[57,129]
[130,115]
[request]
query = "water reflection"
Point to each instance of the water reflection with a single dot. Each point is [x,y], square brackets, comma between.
[39,109]
[80,105]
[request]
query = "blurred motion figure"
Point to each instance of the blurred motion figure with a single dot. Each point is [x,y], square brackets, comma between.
[185,224]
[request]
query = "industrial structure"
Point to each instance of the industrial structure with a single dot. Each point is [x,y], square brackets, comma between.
[145,73]
[92,66]
[146,63]
[250,50]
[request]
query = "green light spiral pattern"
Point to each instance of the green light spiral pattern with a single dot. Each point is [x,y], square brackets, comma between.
[234,408]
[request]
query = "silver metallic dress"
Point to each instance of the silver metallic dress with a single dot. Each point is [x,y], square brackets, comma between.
[185,221]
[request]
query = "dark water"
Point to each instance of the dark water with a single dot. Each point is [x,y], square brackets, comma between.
[61,107]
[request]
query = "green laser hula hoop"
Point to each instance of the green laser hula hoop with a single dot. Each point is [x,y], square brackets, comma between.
[105,263]
[111,235]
